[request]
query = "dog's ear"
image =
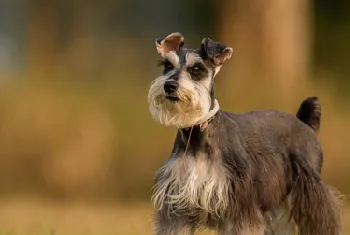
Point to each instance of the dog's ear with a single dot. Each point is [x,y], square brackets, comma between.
[172,42]
[217,52]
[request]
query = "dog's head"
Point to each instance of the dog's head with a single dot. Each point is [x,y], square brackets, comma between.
[184,93]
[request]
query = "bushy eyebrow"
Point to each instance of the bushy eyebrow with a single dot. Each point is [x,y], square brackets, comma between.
[172,58]
[163,62]
[192,59]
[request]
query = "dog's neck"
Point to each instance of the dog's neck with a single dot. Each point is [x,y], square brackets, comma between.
[213,110]
[196,135]
[204,122]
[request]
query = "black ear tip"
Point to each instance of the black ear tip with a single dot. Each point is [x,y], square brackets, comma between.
[204,41]
[159,40]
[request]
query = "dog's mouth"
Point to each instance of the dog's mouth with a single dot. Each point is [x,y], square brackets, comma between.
[172,98]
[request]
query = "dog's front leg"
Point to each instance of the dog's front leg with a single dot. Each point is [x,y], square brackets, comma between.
[246,230]
[174,226]
[175,230]
[279,222]
[243,227]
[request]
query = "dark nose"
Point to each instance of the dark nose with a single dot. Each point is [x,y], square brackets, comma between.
[171,86]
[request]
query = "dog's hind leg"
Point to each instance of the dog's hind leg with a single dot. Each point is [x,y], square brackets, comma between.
[315,206]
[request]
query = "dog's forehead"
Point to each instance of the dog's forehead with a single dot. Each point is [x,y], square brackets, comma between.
[189,56]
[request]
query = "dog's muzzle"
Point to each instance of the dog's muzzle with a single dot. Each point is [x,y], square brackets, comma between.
[170,87]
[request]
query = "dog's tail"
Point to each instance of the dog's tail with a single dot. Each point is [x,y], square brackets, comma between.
[310,113]
[315,206]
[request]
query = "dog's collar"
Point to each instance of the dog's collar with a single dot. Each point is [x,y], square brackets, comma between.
[203,123]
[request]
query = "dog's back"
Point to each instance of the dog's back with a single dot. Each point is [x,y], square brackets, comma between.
[271,131]
[288,157]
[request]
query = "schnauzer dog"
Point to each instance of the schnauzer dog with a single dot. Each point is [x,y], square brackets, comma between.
[229,172]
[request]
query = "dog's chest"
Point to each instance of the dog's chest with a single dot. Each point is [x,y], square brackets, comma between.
[191,184]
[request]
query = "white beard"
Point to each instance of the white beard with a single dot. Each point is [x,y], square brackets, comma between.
[193,104]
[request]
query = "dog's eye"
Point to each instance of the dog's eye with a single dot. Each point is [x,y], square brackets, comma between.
[196,68]
[197,71]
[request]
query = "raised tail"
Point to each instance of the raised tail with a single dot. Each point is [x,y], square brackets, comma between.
[310,113]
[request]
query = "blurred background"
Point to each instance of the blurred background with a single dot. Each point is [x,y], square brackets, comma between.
[78,147]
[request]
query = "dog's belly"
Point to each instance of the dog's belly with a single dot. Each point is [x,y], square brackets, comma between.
[193,186]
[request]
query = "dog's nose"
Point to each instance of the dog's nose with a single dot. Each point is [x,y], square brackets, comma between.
[171,86]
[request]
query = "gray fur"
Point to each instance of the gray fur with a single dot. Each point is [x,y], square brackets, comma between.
[244,172]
